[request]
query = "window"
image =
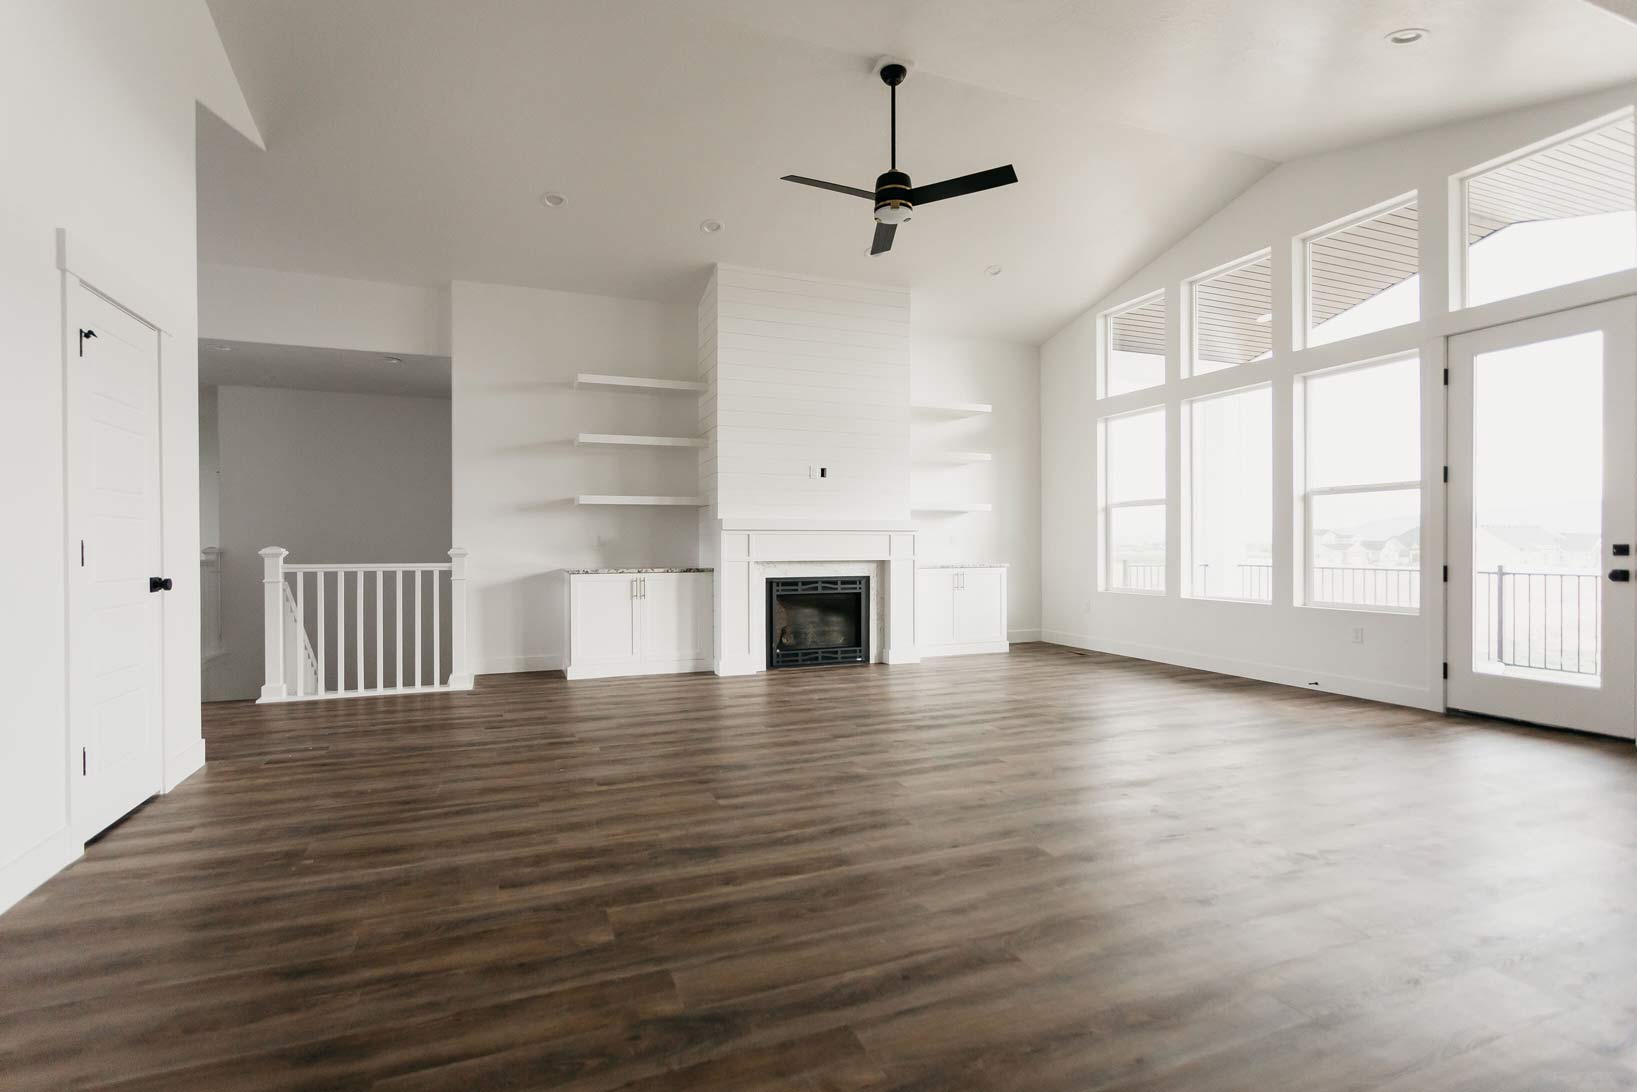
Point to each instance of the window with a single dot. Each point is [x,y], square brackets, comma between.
[1559,215]
[1361,441]
[1133,452]
[1230,495]
[1134,352]
[1365,275]
[1233,316]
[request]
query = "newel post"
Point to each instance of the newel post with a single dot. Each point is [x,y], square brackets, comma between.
[460,672]
[272,598]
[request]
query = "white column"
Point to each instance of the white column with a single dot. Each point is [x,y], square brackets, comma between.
[898,632]
[272,597]
[460,673]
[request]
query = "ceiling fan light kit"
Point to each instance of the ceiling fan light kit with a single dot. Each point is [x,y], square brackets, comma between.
[895,196]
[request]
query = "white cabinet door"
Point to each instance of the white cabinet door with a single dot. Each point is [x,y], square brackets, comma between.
[603,629]
[676,617]
[935,607]
[980,606]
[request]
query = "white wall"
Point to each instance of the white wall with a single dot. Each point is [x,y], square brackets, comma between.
[517,470]
[278,308]
[804,372]
[1007,376]
[1400,656]
[343,478]
[97,107]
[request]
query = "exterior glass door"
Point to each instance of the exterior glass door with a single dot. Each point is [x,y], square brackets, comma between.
[1543,442]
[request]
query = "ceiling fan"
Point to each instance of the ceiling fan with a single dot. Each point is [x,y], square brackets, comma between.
[895,198]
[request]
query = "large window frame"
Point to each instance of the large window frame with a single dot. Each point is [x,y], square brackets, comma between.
[1105,343]
[1190,299]
[1190,494]
[1460,207]
[1106,507]
[1305,493]
[1303,326]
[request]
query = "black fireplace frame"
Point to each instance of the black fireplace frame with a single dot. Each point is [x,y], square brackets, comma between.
[818,657]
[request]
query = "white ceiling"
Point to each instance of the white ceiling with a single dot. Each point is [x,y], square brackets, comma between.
[256,364]
[409,140]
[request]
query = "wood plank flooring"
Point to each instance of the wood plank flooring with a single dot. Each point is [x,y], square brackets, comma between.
[1039,871]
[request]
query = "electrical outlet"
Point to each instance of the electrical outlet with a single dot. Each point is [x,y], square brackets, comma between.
[824,472]
[1358,635]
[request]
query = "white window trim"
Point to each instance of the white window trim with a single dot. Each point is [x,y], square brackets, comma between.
[1190,313]
[1302,328]
[1105,525]
[1460,253]
[1305,493]
[1105,342]
[1187,544]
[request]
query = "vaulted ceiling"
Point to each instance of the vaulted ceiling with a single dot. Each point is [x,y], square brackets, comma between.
[411,140]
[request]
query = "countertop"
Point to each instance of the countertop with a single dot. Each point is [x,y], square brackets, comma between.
[961,565]
[612,572]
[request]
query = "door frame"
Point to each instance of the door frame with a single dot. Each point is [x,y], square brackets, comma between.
[74,605]
[1452,567]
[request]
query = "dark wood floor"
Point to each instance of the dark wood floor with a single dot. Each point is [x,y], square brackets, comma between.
[1037,871]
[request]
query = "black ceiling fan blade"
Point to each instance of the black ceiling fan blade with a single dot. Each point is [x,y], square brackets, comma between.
[965,184]
[854,190]
[883,238]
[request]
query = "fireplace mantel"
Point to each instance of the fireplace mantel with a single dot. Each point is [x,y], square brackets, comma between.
[741,548]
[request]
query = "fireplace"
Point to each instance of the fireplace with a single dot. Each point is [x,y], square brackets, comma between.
[818,620]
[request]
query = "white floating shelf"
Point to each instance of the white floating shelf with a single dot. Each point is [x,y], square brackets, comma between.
[612,439]
[937,506]
[953,457]
[637,384]
[952,409]
[672,502]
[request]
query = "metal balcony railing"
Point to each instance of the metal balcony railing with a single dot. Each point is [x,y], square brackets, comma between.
[1549,621]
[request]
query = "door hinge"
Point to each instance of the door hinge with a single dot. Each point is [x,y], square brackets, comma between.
[82,553]
[83,762]
[1446,377]
[1446,474]
[1446,669]
[1446,574]
[84,335]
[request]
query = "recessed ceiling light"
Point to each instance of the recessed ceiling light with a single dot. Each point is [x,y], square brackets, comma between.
[553,200]
[1265,318]
[1407,35]
[394,360]
[993,271]
[710,227]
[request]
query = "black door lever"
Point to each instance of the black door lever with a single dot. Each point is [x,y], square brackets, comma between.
[1620,576]
[159,583]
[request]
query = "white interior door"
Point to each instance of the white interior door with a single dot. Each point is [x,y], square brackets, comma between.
[1543,519]
[115,621]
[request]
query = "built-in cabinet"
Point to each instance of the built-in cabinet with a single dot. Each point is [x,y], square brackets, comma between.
[959,611]
[638,624]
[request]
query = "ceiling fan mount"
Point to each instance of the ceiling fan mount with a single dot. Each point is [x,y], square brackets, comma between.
[895,195]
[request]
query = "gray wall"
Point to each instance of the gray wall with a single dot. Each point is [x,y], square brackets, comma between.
[333,478]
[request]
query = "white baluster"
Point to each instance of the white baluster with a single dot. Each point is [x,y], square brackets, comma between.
[358,619]
[380,631]
[398,661]
[298,647]
[323,674]
[437,631]
[272,581]
[419,654]
[460,677]
[340,630]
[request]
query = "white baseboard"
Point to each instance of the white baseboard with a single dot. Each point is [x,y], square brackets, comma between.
[1325,682]
[620,671]
[901,656]
[50,856]
[184,764]
[511,665]
[1022,636]
[738,665]
[978,649]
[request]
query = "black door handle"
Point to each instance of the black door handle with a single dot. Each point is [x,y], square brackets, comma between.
[1620,576]
[159,583]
